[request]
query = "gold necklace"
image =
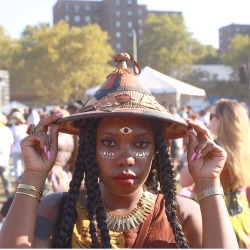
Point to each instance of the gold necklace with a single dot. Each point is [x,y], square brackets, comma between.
[136,216]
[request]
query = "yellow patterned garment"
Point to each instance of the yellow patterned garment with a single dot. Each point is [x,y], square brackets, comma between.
[160,234]
[239,216]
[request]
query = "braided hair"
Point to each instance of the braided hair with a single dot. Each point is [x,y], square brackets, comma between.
[86,166]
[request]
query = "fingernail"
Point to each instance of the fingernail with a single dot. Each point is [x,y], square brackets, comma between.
[193,156]
[199,156]
[45,149]
[188,120]
[59,114]
[48,155]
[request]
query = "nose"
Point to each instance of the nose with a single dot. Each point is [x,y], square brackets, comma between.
[126,161]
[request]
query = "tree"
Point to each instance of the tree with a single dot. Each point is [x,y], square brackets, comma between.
[58,64]
[239,52]
[8,47]
[168,47]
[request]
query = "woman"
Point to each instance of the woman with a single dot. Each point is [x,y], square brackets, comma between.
[229,125]
[129,195]
[18,128]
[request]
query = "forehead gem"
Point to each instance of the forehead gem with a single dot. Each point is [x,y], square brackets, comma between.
[125,130]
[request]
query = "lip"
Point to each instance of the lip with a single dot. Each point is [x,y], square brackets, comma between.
[125,179]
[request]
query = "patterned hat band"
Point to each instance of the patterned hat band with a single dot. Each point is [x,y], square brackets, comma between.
[123,100]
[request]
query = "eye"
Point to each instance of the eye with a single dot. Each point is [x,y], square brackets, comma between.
[142,144]
[108,142]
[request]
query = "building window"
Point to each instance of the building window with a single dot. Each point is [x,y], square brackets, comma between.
[117,13]
[129,2]
[118,46]
[77,19]
[129,13]
[130,25]
[140,22]
[87,19]
[67,18]
[66,8]
[139,12]
[87,7]
[140,32]
[76,8]
[118,35]
[117,2]
[118,24]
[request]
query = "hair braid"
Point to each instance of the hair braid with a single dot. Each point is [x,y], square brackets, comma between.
[69,213]
[152,180]
[95,207]
[168,185]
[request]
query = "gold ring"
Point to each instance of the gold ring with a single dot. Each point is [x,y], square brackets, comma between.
[31,129]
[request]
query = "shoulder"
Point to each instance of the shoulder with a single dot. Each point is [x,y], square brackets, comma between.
[50,205]
[46,220]
[189,214]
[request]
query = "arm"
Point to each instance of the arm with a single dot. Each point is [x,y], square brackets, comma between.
[19,225]
[186,178]
[205,170]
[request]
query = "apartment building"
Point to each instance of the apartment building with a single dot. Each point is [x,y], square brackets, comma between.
[227,33]
[122,19]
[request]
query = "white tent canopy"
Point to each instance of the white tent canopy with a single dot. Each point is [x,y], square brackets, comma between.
[169,91]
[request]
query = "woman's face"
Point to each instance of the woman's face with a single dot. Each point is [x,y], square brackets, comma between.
[214,122]
[124,153]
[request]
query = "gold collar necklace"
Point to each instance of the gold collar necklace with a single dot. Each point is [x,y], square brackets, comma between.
[136,216]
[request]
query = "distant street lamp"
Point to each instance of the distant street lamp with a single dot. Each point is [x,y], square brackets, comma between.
[134,35]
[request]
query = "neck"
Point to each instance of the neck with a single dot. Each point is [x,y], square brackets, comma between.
[114,201]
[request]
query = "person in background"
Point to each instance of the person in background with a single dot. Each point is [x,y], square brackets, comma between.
[60,175]
[33,116]
[18,129]
[129,198]
[6,142]
[229,125]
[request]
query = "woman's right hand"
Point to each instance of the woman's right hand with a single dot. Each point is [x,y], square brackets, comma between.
[39,149]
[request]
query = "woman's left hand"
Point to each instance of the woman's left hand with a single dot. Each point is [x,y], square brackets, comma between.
[206,159]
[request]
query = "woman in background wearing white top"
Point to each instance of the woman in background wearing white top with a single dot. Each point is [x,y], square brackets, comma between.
[6,142]
[18,128]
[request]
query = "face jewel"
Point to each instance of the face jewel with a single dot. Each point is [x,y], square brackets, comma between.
[126,130]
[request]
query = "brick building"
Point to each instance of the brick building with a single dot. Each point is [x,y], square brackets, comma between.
[227,33]
[122,19]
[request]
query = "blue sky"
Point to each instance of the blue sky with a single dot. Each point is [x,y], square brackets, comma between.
[202,17]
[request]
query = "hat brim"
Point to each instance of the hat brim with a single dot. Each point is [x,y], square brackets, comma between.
[175,127]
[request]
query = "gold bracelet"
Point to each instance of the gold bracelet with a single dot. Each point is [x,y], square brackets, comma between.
[30,195]
[28,187]
[209,192]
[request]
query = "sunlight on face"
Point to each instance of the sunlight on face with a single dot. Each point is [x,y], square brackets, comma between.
[125,150]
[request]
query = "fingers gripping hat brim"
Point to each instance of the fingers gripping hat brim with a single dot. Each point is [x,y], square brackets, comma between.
[123,95]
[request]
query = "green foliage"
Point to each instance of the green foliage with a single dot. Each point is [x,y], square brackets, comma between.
[8,47]
[239,53]
[169,47]
[58,64]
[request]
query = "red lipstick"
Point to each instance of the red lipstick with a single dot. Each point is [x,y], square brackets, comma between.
[125,179]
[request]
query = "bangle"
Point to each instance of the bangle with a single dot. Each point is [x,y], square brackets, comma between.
[28,187]
[209,192]
[30,195]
